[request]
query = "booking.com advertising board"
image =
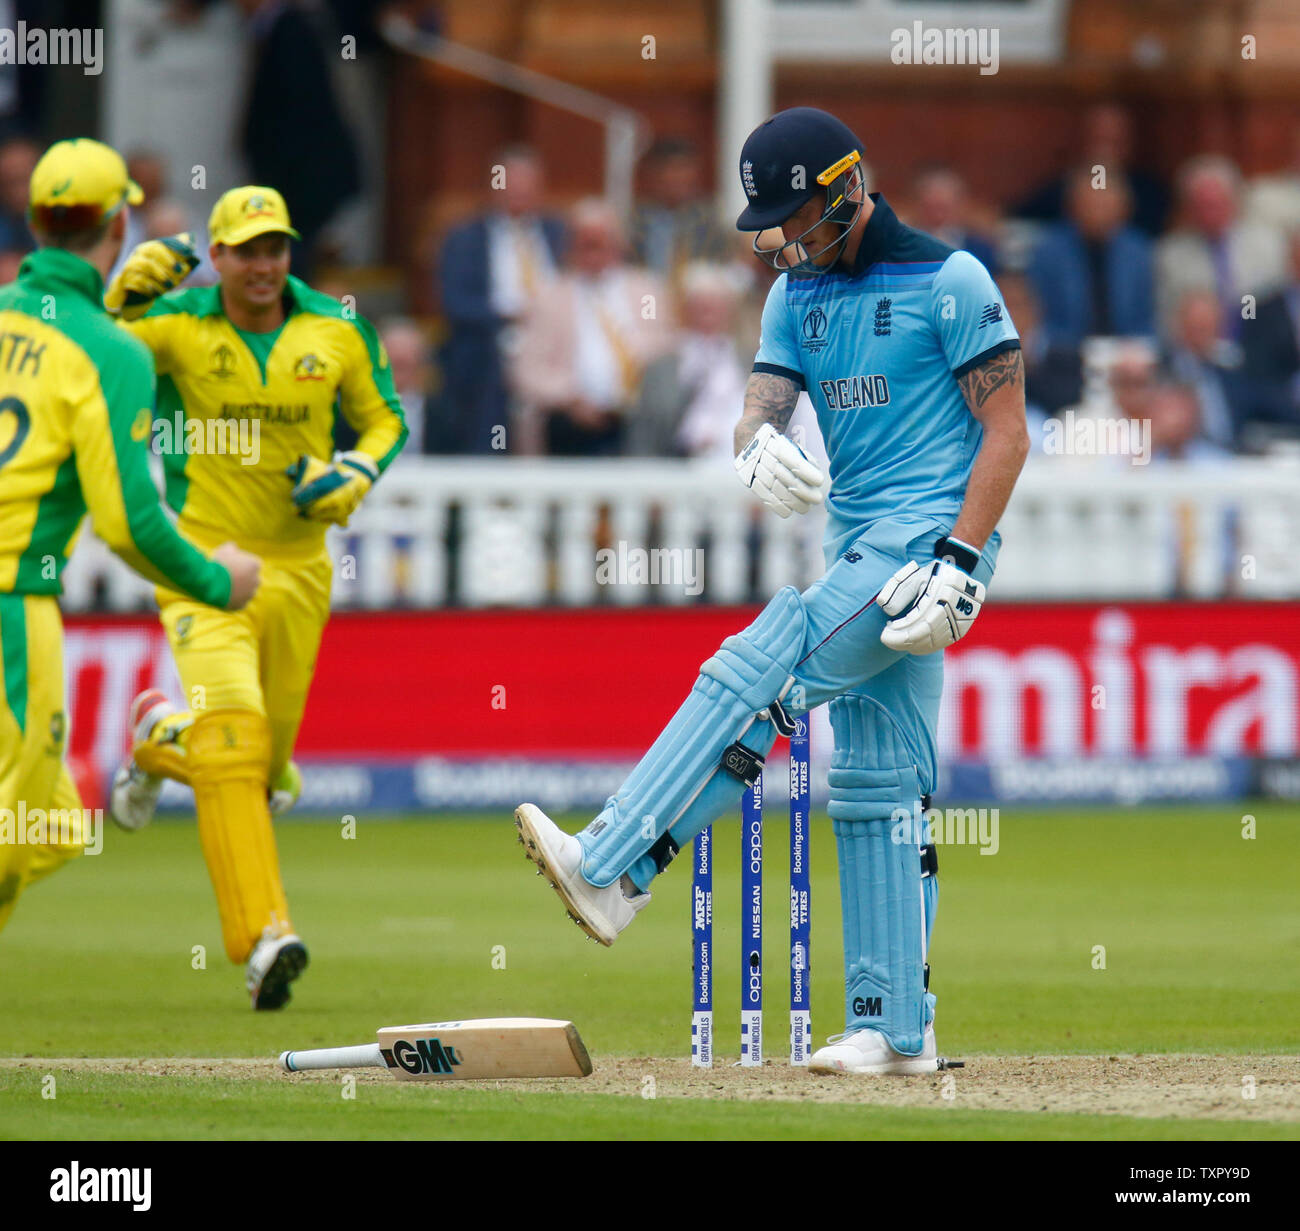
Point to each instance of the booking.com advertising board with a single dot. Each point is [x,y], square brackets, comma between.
[1052,703]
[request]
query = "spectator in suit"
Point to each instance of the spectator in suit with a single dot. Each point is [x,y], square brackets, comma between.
[1053,374]
[692,395]
[18,157]
[410,362]
[1209,366]
[1213,248]
[1133,376]
[1274,200]
[940,204]
[675,221]
[1106,141]
[586,342]
[1271,346]
[1177,430]
[1092,273]
[491,270]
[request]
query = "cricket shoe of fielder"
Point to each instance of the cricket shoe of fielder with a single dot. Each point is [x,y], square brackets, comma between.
[601,913]
[276,961]
[135,793]
[868,1051]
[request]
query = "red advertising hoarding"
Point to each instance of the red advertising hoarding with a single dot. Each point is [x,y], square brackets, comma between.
[1054,680]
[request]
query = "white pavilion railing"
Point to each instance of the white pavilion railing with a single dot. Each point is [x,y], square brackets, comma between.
[522,532]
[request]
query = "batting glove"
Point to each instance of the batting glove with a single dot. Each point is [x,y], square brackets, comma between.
[929,606]
[154,267]
[779,472]
[331,491]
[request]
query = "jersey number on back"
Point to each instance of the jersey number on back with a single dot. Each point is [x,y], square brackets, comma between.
[22,425]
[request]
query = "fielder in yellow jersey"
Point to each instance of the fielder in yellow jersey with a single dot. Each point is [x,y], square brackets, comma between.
[253,376]
[76,399]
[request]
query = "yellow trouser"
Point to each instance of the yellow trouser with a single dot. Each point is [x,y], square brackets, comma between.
[246,675]
[261,658]
[33,730]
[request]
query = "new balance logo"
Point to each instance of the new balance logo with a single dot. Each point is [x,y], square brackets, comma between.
[852,557]
[991,315]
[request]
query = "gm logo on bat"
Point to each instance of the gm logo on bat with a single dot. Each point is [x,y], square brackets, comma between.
[424,1056]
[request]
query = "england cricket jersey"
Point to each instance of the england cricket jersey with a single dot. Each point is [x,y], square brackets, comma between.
[880,349]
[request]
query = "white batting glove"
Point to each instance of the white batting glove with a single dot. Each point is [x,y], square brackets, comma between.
[779,473]
[929,606]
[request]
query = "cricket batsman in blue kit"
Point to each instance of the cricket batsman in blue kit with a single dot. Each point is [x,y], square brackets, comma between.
[914,368]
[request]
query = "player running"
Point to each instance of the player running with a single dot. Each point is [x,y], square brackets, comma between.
[263,365]
[76,411]
[914,369]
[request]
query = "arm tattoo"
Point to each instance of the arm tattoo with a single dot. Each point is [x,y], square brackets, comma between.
[981,383]
[770,399]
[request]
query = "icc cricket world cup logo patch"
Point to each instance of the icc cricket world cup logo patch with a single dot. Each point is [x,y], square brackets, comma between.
[223,362]
[813,330]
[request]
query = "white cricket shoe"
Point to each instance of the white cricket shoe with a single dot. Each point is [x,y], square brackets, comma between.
[276,961]
[868,1051]
[601,913]
[135,794]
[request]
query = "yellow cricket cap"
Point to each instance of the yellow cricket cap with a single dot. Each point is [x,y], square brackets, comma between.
[79,183]
[243,213]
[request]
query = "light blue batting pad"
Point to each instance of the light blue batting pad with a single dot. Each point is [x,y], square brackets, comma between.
[746,675]
[873,783]
[720,796]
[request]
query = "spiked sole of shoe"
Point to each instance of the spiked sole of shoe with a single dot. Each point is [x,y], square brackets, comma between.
[533,851]
[274,992]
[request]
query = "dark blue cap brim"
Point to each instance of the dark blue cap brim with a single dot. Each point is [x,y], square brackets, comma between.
[752,219]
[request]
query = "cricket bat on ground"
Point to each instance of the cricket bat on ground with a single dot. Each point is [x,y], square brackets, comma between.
[482,1050]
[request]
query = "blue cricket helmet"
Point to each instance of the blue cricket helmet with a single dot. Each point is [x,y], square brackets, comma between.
[791,159]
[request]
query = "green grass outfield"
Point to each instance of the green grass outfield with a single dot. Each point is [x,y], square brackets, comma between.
[418,920]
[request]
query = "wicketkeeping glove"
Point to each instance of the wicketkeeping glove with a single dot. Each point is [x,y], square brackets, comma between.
[156,266]
[929,606]
[331,491]
[779,472]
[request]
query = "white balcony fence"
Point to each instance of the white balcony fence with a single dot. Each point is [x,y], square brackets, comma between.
[521,532]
